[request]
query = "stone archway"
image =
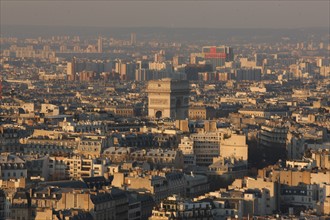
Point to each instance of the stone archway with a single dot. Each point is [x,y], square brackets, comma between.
[159,114]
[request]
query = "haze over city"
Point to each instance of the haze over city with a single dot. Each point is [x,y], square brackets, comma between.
[197,14]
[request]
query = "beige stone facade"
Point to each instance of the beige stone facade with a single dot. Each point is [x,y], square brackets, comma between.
[235,146]
[168,98]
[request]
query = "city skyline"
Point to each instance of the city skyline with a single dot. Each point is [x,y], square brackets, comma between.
[164,110]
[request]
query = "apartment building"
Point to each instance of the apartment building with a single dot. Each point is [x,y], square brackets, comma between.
[206,147]
[12,167]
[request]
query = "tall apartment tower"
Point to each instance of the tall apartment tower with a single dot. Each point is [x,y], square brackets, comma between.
[126,70]
[217,56]
[100,45]
[160,56]
[133,39]
[71,69]
[168,98]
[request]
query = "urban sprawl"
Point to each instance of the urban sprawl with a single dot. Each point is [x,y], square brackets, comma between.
[126,128]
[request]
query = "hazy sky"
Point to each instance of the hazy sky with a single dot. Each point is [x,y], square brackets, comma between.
[134,13]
